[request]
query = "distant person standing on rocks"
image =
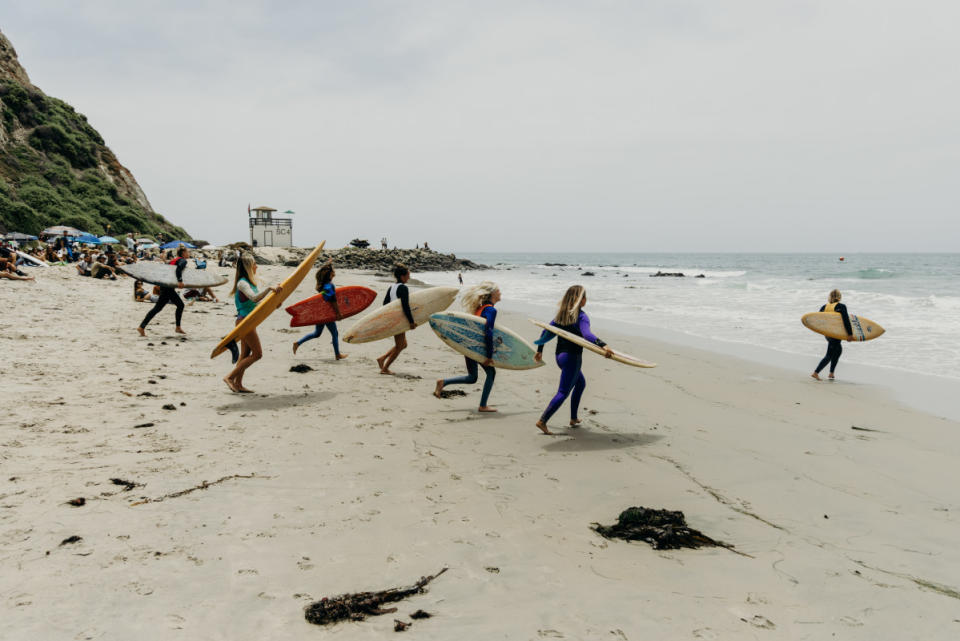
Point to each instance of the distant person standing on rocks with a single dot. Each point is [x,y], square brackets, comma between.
[426,245]
[398,291]
[383,243]
[169,294]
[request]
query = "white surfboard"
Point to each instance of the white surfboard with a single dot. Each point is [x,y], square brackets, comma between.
[620,357]
[390,320]
[33,259]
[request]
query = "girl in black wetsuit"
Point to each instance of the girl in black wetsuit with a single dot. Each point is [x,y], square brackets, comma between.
[169,294]
[834,346]
[398,290]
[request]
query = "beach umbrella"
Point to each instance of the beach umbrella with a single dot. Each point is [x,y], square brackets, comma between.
[61,230]
[19,236]
[88,239]
[177,243]
[108,239]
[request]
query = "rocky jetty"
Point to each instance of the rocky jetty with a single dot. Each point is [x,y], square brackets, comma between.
[417,260]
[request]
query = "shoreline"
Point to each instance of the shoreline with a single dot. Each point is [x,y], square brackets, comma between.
[342,480]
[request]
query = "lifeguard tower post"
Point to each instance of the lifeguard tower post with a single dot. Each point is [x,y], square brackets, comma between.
[267,231]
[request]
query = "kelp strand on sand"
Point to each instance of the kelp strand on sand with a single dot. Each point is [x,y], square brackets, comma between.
[663,529]
[202,486]
[360,605]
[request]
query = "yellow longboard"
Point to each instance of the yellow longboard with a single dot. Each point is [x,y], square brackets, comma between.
[270,303]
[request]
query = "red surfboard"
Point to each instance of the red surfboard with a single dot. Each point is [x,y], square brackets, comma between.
[351,299]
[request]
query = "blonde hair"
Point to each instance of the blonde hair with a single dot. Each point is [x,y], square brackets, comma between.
[835,296]
[245,267]
[475,297]
[569,310]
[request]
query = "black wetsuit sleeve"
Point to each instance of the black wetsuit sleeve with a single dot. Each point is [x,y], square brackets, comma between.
[404,295]
[846,318]
[181,265]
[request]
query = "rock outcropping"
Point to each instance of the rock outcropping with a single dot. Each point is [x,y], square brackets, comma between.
[56,169]
[417,260]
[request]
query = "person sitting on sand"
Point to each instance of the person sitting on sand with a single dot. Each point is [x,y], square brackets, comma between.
[478,300]
[142,296]
[398,291]
[83,265]
[169,295]
[570,317]
[204,295]
[328,290]
[834,345]
[246,295]
[100,269]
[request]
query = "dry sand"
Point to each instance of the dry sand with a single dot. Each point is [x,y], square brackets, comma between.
[349,481]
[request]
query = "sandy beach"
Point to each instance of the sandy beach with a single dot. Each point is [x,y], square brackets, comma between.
[840,502]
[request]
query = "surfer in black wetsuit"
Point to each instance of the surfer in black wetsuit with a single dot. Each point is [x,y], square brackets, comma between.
[834,345]
[397,291]
[169,294]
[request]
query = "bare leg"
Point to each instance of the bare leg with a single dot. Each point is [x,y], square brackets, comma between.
[543,427]
[438,388]
[400,343]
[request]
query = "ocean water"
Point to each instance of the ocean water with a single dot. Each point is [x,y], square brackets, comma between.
[754,299]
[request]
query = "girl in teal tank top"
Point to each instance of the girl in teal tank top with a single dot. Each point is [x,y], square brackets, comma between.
[246,295]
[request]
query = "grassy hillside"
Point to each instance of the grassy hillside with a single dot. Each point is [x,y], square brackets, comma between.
[56,170]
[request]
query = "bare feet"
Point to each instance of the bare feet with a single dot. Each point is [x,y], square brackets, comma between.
[575,422]
[486,408]
[815,375]
[386,371]
[244,390]
[295,346]
[543,427]
[230,384]
[380,362]
[831,376]
[342,356]
[141,332]
[179,330]
[438,388]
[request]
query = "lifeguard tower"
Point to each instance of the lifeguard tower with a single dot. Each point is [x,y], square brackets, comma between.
[268,231]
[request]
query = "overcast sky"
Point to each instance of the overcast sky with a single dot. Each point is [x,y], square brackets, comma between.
[673,125]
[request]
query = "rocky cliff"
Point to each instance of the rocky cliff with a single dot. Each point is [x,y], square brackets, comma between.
[55,169]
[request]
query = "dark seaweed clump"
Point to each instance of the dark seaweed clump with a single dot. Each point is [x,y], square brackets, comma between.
[663,529]
[359,605]
[301,368]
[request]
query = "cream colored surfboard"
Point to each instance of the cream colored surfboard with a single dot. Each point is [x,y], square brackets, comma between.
[390,320]
[270,303]
[620,357]
[830,324]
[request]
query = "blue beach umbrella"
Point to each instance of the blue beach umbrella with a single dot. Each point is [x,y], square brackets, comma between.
[177,243]
[19,236]
[87,238]
[108,239]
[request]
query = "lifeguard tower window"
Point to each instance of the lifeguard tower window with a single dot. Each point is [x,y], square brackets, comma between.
[268,231]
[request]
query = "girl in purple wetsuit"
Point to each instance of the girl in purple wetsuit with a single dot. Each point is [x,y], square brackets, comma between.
[571,318]
[479,300]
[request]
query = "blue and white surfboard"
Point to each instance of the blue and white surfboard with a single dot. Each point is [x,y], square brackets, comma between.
[464,333]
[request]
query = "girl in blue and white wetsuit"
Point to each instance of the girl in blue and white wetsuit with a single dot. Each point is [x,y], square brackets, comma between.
[326,287]
[479,300]
[571,318]
[246,295]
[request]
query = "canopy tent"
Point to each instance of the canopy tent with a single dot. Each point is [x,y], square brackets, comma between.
[61,230]
[177,243]
[19,236]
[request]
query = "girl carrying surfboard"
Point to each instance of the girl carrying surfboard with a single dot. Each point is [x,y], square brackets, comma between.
[398,291]
[327,289]
[479,300]
[570,317]
[834,346]
[246,295]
